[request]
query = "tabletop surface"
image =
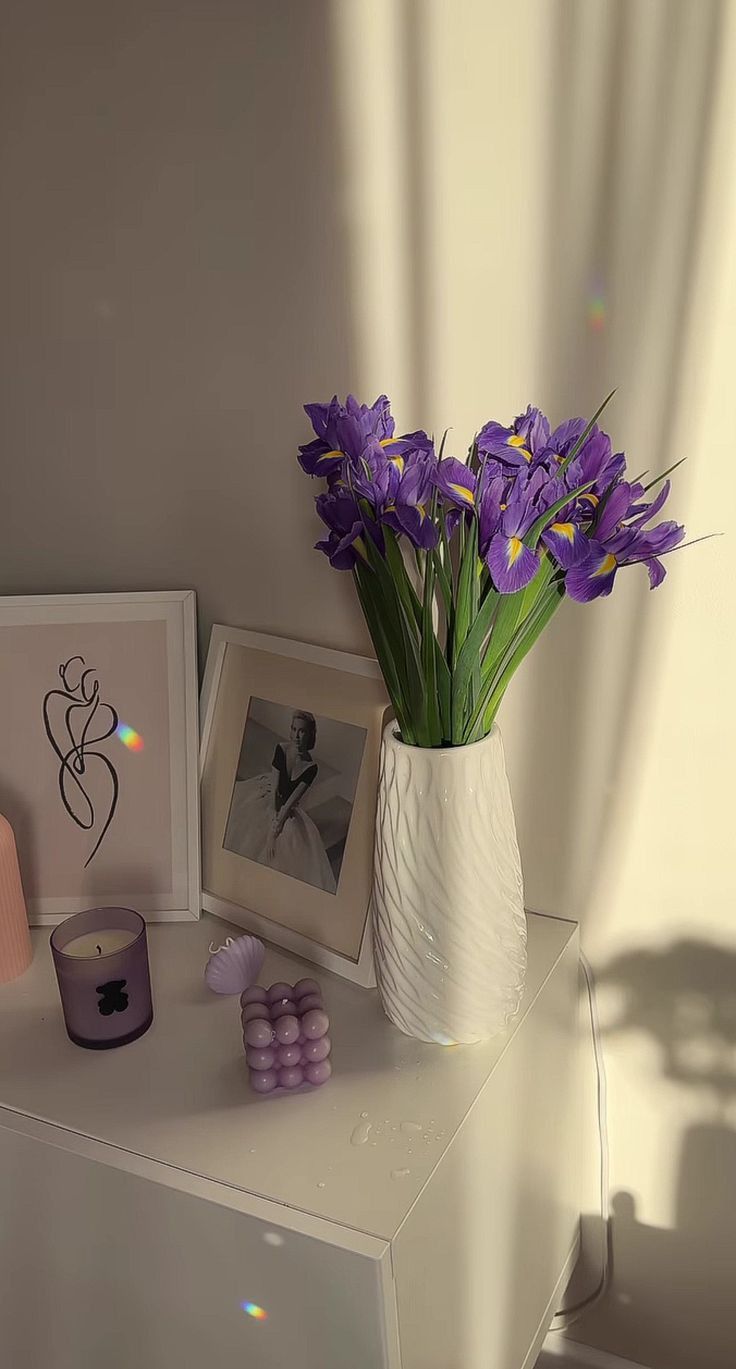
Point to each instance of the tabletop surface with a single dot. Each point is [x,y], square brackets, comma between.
[356,1151]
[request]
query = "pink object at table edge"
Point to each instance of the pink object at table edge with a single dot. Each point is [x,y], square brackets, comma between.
[16,951]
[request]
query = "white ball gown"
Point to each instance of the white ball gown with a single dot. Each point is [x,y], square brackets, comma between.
[298,850]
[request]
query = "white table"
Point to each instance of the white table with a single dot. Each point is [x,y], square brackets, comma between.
[419,1211]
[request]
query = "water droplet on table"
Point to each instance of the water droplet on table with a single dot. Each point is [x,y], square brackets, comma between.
[320,1184]
[411,1126]
[364,1114]
[361,1133]
[400,1173]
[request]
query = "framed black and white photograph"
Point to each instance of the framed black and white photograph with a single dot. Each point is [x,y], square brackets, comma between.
[294,790]
[290,744]
[99,751]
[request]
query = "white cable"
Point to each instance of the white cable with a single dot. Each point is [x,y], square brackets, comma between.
[569,1315]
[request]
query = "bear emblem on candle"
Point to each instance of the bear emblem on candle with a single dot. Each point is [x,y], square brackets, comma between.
[112,997]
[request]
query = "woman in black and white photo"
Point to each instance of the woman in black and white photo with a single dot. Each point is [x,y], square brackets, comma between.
[267,822]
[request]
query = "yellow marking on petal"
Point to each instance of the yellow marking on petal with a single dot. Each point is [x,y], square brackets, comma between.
[606,566]
[519,442]
[593,499]
[463,493]
[398,462]
[330,456]
[516,546]
[388,441]
[422,511]
[503,506]
[564,530]
[390,508]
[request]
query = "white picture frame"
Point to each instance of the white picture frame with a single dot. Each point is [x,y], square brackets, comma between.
[285,659]
[145,643]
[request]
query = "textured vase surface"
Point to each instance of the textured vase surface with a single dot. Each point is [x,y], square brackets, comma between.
[449,928]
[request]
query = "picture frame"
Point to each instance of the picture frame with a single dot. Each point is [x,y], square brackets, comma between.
[308,889]
[99,742]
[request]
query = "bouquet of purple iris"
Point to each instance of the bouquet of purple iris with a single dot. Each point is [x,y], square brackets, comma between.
[460,565]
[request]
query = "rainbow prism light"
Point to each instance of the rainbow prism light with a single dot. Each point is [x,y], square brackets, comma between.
[253,1310]
[129,737]
[597,307]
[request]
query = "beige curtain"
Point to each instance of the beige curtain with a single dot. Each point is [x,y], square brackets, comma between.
[544,195]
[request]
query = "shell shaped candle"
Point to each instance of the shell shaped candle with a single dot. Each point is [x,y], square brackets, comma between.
[232,968]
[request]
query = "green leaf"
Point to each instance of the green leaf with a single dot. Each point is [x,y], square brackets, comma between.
[429,658]
[404,586]
[447,583]
[443,582]
[466,587]
[404,631]
[547,606]
[585,433]
[466,660]
[465,602]
[664,474]
[513,611]
[524,640]
[385,650]
[444,694]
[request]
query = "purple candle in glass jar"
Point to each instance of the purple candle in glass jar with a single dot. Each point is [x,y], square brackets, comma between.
[285,1034]
[101,963]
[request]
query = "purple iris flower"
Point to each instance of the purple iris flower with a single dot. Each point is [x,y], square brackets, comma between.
[512,564]
[564,536]
[456,482]
[596,461]
[342,516]
[518,445]
[492,502]
[372,478]
[565,540]
[344,431]
[407,510]
[617,543]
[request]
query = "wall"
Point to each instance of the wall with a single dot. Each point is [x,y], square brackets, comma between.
[175,257]
[213,212]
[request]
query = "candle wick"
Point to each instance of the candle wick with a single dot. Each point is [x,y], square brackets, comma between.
[99,950]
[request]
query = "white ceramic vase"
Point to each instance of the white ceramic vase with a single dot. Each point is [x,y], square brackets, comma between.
[449,928]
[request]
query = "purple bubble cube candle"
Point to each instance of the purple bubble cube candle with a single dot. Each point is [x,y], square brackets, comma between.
[285,1034]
